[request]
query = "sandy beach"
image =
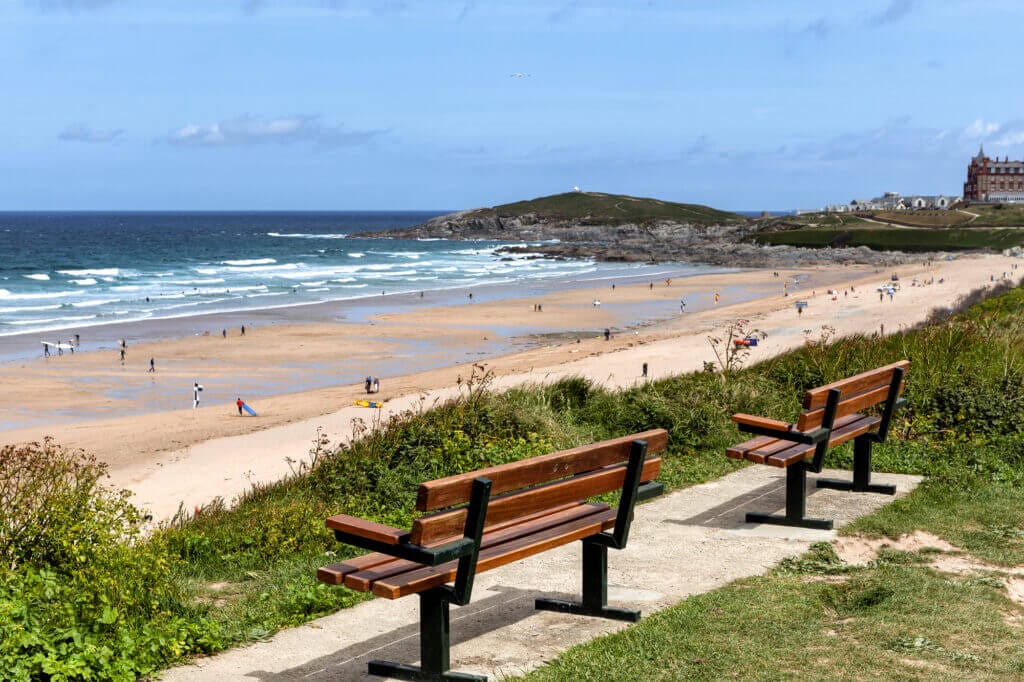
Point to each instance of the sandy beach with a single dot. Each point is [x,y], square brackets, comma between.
[142,424]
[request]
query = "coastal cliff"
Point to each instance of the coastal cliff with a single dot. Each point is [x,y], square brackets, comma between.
[609,227]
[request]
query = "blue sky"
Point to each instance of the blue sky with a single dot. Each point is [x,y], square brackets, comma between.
[404,104]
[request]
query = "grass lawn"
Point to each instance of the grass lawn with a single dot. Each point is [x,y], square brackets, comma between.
[818,618]
[882,238]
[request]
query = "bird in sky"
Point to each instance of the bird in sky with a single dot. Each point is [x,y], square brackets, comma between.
[520,75]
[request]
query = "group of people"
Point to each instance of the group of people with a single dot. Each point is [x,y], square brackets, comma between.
[372,384]
[71,345]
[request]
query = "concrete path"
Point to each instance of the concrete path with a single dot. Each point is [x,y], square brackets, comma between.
[692,541]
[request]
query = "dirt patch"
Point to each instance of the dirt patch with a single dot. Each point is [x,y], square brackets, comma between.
[858,550]
[1015,590]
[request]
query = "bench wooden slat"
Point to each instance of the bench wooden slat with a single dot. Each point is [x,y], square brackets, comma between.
[363,580]
[816,397]
[757,450]
[812,418]
[505,553]
[334,574]
[443,524]
[839,436]
[740,451]
[368,529]
[454,490]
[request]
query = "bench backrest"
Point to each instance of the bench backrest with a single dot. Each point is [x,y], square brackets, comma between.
[856,393]
[533,485]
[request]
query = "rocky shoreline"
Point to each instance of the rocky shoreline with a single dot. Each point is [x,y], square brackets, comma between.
[662,241]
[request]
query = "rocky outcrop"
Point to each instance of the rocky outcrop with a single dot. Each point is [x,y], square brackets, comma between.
[629,242]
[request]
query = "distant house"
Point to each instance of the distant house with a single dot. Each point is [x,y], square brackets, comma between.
[994,180]
[893,201]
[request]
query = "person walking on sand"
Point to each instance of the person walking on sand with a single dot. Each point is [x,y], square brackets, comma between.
[238,404]
[607,333]
[376,384]
[196,388]
[369,384]
[243,330]
[152,363]
[122,356]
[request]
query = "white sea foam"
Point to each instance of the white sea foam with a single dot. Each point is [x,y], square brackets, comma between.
[29,308]
[251,261]
[320,289]
[356,254]
[54,319]
[93,304]
[95,272]
[302,235]
[8,296]
[40,276]
[88,281]
[265,268]
[193,282]
[344,280]
[206,271]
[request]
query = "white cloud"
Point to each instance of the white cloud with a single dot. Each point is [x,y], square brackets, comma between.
[252,130]
[979,129]
[79,132]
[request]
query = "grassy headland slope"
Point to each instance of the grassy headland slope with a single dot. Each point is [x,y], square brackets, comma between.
[993,227]
[615,209]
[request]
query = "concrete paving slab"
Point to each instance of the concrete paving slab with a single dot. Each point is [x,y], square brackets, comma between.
[692,541]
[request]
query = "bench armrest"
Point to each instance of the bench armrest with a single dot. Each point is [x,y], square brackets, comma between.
[775,428]
[368,529]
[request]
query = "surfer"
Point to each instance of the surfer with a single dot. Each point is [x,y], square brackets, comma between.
[46,350]
[122,356]
[196,388]
[239,404]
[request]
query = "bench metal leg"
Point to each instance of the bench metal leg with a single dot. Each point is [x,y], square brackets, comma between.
[796,503]
[435,643]
[595,589]
[861,472]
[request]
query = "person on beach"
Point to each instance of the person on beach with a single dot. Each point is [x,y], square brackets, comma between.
[78,339]
[243,330]
[607,333]
[60,351]
[643,369]
[238,404]
[369,384]
[122,356]
[376,384]
[224,333]
[152,363]
[196,388]
[46,350]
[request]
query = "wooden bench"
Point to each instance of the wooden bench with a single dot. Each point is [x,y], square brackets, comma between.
[538,504]
[831,416]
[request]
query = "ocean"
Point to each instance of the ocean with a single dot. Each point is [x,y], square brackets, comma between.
[62,272]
